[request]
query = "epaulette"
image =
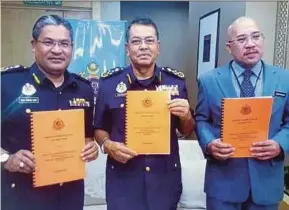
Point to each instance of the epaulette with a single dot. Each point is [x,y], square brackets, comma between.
[13,69]
[174,72]
[111,72]
[81,78]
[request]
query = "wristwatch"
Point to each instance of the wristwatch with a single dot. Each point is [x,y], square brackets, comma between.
[102,145]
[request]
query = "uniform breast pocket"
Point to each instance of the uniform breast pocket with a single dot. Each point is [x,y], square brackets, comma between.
[117,112]
[278,103]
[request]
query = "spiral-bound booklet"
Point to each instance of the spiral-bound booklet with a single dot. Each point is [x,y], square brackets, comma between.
[57,140]
[244,121]
[148,122]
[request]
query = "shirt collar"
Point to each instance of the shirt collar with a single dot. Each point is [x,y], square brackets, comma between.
[239,69]
[156,76]
[40,78]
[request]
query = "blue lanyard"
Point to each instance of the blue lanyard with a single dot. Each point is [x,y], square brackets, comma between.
[239,84]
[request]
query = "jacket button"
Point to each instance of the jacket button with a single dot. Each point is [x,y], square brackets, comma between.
[148,169]
[13,185]
[61,184]
[28,111]
[176,165]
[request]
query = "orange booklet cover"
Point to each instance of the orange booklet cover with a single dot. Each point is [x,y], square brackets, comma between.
[148,122]
[244,121]
[57,140]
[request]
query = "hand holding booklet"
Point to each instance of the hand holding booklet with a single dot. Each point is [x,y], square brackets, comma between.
[57,140]
[245,121]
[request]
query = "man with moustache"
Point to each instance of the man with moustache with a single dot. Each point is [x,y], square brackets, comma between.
[143,182]
[46,85]
[244,183]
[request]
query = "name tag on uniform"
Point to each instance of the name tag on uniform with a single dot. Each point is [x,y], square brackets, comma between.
[280,94]
[28,100]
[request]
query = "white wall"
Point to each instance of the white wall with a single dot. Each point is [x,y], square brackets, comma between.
[110,10]
[265,14]
[287,62]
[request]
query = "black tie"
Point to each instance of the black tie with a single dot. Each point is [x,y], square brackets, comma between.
[247,89]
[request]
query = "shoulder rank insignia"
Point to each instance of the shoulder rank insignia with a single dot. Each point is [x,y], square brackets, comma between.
[111,72]
[173,72]
[10,69]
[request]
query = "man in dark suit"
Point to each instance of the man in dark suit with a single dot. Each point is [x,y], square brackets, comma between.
[244,183]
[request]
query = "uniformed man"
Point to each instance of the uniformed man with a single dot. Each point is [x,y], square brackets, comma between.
[46,85]
[142,182]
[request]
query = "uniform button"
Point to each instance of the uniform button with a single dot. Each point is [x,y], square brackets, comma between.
[176,165]
[28,111]
[60,93]
[122,105]
[145,89]
[148,169]
[61,184]
[13,185]
[112,167]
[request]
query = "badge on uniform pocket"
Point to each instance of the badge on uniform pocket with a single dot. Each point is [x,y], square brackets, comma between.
[79,102]
[174,89]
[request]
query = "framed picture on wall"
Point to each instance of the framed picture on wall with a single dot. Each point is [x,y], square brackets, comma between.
[208,43]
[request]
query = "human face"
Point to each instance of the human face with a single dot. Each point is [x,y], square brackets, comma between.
[142,46]
[53,49]
[246,44]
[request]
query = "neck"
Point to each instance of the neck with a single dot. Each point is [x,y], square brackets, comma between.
[142,73]
[246,66]
[57,79]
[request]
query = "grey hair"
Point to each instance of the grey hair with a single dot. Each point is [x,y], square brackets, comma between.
[50,20]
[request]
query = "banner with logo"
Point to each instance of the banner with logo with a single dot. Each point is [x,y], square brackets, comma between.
[98,47]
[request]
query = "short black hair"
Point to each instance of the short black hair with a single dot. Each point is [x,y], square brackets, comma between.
[141,21]
[50,20]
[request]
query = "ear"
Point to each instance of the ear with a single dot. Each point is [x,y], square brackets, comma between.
[127,49]
[228,47]
[33,45]
[159,45]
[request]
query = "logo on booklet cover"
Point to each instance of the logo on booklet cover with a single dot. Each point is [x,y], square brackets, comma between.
[58,124]
[147,102]
[246,109]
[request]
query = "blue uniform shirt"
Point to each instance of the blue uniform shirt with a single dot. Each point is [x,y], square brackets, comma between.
[110,116]
[27,90]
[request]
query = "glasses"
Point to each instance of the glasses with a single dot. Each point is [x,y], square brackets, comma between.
[147,41]
[51,43]
[244,39]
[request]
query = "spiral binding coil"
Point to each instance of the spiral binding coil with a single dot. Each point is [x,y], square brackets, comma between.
[32,142]
[222,117]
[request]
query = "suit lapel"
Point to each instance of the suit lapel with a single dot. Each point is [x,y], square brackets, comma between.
[224,80]
[270,81]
